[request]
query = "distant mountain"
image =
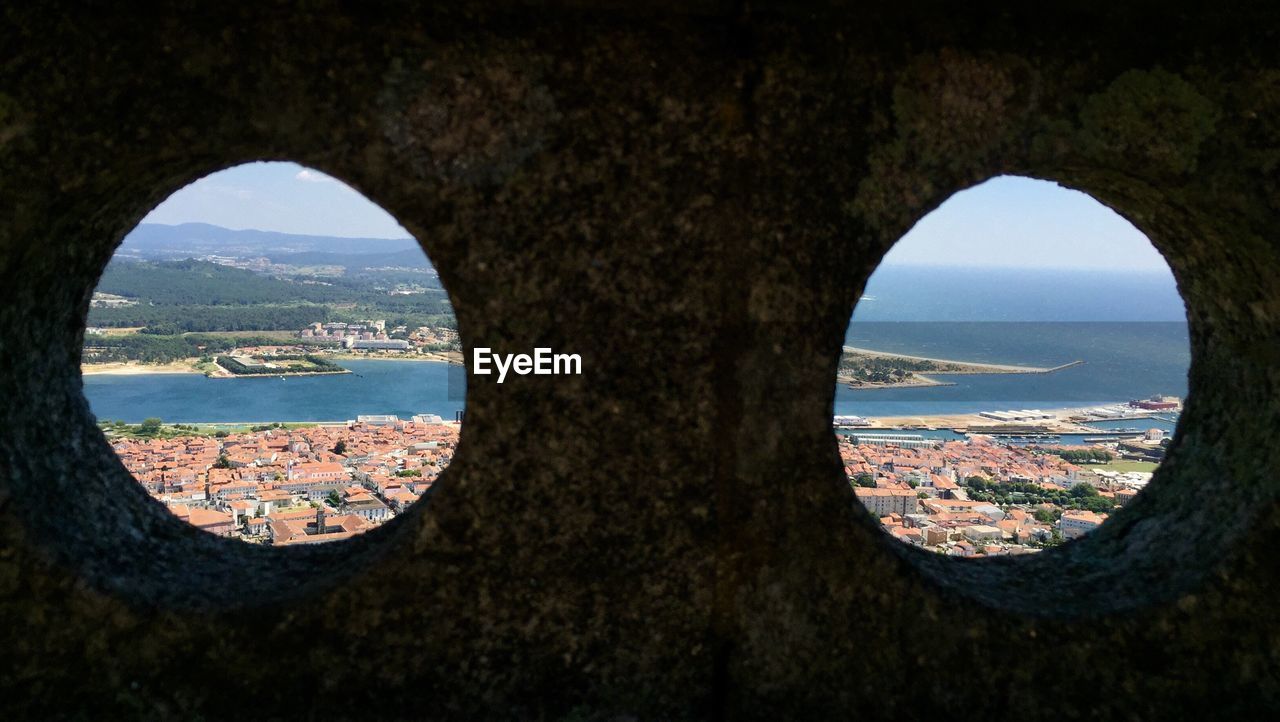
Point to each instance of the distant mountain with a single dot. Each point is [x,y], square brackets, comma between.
[159,241]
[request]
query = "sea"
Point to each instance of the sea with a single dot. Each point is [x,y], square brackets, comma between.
[1129,329]
[403,388]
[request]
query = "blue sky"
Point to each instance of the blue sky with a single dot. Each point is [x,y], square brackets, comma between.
[1025,223]
[281,197]
[1006,222]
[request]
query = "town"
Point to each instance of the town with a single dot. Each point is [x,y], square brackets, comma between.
[982,496]
[373,335]
[302,484]
[285,486]
[307,351]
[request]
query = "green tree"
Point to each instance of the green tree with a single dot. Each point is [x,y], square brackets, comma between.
[864,479]
[222,463]
[150,426]
[334,499]
[340,448]
[1083,489]
[1097,504]
[163,328]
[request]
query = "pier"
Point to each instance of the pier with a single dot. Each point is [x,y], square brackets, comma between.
[1059,368]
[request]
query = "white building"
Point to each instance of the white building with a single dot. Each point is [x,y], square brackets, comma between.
[906,441]
[397,344]
[990,511]
[883,502]
[982,532]
[1077,523]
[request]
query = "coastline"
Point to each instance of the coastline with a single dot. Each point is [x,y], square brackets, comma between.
[276,375]
[135,368]
[968,367]
[925,379]
[916,381]
[971,421]
[975,423]
[189,366]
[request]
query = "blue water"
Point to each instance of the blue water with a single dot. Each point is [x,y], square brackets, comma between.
[1147,423]
[1129,329]
[1122,361]
[916,293]
[402,388]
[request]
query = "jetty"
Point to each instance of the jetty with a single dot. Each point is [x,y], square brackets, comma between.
[1058,368]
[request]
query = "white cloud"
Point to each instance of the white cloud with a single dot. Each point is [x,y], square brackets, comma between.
[311,176]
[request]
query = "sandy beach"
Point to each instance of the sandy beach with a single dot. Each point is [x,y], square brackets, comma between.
[970,367]
[134,368]
[925,378]
[915,381]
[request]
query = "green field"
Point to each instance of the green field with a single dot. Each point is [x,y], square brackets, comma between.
[116,429]
[1126,465]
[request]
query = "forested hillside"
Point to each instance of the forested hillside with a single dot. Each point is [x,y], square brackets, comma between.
[200,283]
[191,295]
[176,319]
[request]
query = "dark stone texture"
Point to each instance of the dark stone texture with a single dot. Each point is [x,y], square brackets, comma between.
[691,197]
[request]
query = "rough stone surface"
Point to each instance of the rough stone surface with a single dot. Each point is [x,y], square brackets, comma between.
[691,197]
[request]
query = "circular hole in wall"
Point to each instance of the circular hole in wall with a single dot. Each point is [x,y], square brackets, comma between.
[274,358]
[1012,374]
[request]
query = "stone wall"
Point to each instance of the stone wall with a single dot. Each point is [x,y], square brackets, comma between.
[690,197]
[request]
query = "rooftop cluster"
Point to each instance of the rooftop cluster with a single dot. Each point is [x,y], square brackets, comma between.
[979,497]
[294,486]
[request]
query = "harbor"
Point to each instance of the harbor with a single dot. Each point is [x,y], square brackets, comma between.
[1060,427]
